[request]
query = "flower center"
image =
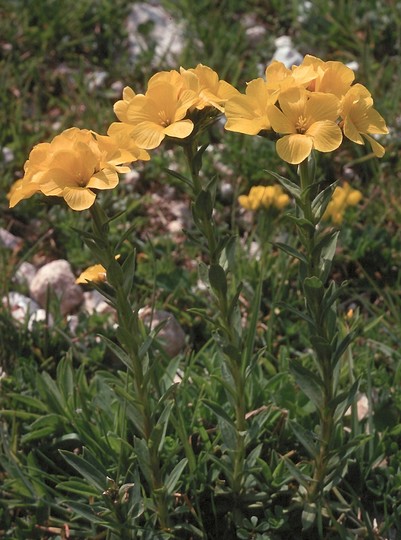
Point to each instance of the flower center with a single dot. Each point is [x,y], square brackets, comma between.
[164,119]
[301,125]
[81,182]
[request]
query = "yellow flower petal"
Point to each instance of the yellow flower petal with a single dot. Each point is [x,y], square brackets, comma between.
[351,131]
[322,107]
[377,148]
[148,135]
[244,125]
[279,122]
[294,148]
[104,179]
[96,273]
[327,136]
[179,129]
[79,198]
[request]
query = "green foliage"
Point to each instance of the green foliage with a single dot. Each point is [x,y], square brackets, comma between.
[109,436]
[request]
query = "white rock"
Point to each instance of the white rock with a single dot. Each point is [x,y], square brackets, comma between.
[9,241]
[286,53]
[21,307]
[256,33]
[25,273]
[38,317]
[8,154]
[171,336]
[57,276]
[165,33]
[73,322]
[353,65]
[96,79]
[94,302]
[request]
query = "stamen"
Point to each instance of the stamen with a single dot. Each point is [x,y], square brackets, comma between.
[301,125]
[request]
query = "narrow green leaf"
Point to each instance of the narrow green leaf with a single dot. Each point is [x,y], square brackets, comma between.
[85,511]
[253,322]
[218,411]
[301,477]
[65,379]
[345,400]
[158,434]
[322,347]
[301,222]
[291,251]
[79,487]
[343,346]
[309,382]
[325,249]
[173,478]
[203,207]
[29,401]
[118,351]
[143,456]
[314,292]
[321,201]
[128,268]
[288,185]
[24,415]
[96,476]
[297,312]
[305,438]
[218,279]
[179,177]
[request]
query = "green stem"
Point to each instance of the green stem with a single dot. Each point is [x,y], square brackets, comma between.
[128,322]
[323,361]
[208,229]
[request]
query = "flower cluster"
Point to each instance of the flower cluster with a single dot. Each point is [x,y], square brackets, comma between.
[343,197]
[264,197]
[310,106]
[72,165]
[171,106]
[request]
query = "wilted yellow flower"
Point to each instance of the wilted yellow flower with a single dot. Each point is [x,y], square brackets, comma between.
[96,273]
[360,118]
[264,196]
[308,121]
[71,166]
[342,198]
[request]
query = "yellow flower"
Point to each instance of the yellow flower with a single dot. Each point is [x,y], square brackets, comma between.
[96,273]
[248,113]
[279,78]
[211,91]
[121,106]
[159,113]
[264,196]
[307,122]
[71,166]
[330,77]
[342,198]
[360,118]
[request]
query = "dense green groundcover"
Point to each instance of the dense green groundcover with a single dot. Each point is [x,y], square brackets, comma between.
[73,461]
